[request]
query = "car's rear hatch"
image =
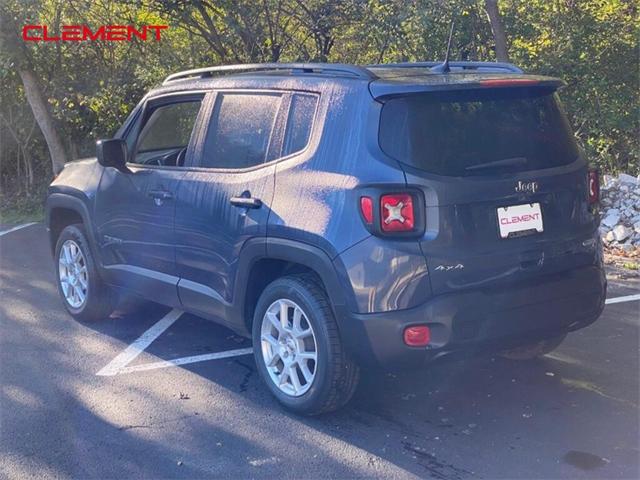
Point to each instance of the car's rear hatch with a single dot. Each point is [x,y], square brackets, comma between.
[503,180]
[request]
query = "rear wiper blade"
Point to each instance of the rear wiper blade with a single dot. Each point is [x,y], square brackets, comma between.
[505,162]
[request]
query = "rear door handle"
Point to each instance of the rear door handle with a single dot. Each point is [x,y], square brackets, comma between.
[246,202]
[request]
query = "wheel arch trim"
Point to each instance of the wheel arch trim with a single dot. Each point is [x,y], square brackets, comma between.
[71,202]
[292,251]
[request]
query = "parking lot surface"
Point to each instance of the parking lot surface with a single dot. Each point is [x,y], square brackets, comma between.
[152,393]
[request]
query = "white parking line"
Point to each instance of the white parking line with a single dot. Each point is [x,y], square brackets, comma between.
[119,365]
[185,360]
[136,348]
[627,298]
[17,227]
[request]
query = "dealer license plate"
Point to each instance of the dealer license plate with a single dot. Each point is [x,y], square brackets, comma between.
[518,220]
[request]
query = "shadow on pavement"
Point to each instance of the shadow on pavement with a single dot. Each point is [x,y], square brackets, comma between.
[571,414]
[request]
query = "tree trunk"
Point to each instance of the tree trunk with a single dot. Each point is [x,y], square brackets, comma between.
[18,165]
[499,36]
[73,151]
[44,118]
[28,169]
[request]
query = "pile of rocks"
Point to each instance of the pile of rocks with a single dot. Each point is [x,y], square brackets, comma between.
[620,208]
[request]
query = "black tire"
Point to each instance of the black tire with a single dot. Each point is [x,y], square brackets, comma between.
[336,375]
[98,303]
[534,350]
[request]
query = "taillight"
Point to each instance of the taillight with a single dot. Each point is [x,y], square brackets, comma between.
[508,82]
[388,213]
[594,187]
[417,336]
[366,207]
[396,212]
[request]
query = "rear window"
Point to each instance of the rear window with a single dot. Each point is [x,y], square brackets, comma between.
[478,132]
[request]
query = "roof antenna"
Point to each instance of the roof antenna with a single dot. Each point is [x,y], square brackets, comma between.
[444,66]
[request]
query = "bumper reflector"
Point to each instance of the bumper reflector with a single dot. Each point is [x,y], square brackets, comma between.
[417,336]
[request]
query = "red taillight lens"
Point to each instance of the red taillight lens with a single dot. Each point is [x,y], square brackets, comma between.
[594,187]
[366,207]
[418,336]
[508,82]
[397,213]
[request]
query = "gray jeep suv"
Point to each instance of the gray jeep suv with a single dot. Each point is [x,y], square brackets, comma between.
[341,216]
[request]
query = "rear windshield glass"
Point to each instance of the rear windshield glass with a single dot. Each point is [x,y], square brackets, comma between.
[478,132]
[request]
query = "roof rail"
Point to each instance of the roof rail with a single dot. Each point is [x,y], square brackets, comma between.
[321,68]
[486,66]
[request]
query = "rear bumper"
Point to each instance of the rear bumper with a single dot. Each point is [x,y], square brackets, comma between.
[480,320]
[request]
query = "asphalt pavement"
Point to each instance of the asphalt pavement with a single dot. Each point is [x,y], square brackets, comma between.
[178,410]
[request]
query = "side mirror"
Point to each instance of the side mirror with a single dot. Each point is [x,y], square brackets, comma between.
[112,153]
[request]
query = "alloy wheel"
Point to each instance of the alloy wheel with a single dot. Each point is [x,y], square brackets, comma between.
[289,347]
[73,274]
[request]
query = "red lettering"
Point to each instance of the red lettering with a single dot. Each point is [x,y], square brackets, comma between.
[157,29]
[46,36]
[87,34]
[132,32]
[25,35]
[72,33]
[522,218]
[79,33]
[116,33]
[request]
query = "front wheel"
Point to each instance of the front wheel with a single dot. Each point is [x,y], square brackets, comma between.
[83,293]
[297,347]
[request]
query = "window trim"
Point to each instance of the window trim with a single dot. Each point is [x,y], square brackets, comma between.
[311,129]
[196,164]
[282,118]
[208,96]
[150,103]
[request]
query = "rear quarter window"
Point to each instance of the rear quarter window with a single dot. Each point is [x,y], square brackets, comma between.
[478,132]
[299,123]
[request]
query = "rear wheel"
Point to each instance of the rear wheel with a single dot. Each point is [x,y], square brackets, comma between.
[83,293]
[534,350]
[297,347]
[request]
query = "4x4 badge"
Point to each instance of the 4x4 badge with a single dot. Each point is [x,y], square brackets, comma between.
[446,268]
[526,187]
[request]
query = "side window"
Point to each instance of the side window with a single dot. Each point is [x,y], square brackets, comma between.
[165,135]
[240,130]
[301,114]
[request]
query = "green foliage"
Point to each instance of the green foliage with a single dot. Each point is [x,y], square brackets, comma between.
[593,46]
[26,207]
[92,86]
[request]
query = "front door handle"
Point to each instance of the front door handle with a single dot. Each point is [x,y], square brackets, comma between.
[160,196]
[246,202]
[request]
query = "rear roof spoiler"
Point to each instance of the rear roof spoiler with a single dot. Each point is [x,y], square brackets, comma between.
[386,88]
[454,66]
